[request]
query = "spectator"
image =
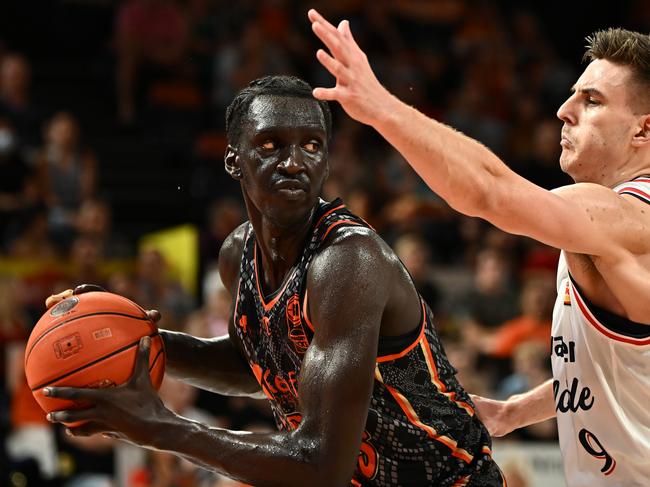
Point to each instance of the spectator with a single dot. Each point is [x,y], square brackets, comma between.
[156,289]
[94,222]
[18,189]
[415,254]
[16,104]
[67,175]
[150,34]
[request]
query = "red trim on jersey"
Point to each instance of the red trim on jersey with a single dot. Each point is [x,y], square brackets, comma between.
[635,191]
[412,416]
[327,214]
[602,328]
[387,358]
[278,295]
[305,312]
[641,179]
[336,224]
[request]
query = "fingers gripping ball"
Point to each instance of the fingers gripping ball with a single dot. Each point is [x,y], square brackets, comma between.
[89,340]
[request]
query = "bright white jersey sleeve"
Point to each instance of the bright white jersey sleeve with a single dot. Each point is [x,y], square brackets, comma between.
[601,372]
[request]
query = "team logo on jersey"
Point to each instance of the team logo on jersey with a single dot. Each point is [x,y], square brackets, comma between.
[296,331]
[567,295]
[243,323]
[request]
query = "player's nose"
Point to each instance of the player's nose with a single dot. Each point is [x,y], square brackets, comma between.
[566,112]
[293,163]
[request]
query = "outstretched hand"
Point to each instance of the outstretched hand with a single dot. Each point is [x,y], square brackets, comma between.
[129,412]
[357,89]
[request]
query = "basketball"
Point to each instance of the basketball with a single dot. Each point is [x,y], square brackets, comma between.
[89,340]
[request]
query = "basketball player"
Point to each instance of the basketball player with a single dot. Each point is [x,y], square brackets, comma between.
[600,337]
[328,324]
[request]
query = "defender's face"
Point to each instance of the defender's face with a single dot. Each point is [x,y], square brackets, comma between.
[282,154]
[599,124]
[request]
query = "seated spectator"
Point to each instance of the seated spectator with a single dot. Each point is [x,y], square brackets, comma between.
[85,258]
[491,300]
[157,289]
[415,254]
[149,33]
[533,324]
[67,175]
[31,436]
[16,104]
[18,189]
[33,242]
[94,222]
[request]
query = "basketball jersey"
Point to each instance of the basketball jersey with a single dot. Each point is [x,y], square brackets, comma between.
[421,428]
[601,371]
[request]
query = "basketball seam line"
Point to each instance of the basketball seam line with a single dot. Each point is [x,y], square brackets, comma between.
[101,313]
[114,352]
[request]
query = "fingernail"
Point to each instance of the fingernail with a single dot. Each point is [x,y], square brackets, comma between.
[68,432]
[46,391]
[147,340]
[48,416]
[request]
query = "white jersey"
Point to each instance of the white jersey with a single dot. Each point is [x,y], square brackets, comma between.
[601,372]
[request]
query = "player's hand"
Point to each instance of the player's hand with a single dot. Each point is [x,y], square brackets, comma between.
[357,89]
[153,314]
[130,412]
[495,415]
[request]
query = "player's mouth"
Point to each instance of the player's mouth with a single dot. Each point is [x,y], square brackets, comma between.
[293,188]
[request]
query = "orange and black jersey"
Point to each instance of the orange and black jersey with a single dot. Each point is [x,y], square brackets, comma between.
[421,427]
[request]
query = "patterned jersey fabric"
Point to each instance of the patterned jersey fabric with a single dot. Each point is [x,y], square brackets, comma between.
[421,427]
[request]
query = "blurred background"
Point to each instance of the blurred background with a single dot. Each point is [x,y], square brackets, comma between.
[111,148]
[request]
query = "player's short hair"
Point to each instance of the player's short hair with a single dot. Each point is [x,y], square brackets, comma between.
[628,48]
[289,86]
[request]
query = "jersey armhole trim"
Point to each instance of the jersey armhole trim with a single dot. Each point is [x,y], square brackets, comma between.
[395,356]
[612,326]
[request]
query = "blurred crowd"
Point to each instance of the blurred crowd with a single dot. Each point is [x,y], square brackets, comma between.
[490,69]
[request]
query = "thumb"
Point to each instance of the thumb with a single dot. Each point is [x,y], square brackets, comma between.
[57,298]
[141,372]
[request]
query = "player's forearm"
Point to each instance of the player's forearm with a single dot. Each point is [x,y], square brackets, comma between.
[211,364]
[532,407]
[271,459]
[461,170]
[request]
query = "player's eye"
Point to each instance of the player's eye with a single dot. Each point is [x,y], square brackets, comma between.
[591,101]
[268,145]
[311,146]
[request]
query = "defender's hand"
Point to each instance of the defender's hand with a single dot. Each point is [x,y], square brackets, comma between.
[357,89]
[495,415]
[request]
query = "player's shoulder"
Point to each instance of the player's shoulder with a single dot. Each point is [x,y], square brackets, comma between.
[355,247]
[231,252]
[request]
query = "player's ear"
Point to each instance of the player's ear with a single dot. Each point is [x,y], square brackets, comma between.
[231,162]
[642,136]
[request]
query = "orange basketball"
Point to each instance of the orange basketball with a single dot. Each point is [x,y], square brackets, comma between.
[89,340]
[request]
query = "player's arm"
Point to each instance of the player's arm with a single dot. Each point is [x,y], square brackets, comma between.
[466,174]
[335,386]
[502,417]
[215,364]
[335,382]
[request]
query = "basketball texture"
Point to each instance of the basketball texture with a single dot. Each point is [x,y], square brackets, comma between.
[89,340]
